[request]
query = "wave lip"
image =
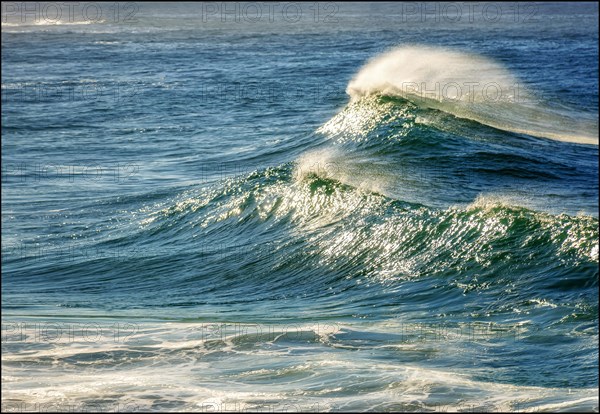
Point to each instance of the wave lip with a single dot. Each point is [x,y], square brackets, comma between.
[473,87]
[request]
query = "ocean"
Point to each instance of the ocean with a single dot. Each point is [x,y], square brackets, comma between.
[299,207]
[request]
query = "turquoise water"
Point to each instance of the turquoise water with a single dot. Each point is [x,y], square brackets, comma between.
[331,207]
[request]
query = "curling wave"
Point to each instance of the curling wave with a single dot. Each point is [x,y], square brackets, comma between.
[473,87]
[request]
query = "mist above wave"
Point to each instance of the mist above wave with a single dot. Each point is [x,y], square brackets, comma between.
[473,87]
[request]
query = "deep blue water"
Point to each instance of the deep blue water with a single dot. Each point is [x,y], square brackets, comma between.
[205,210]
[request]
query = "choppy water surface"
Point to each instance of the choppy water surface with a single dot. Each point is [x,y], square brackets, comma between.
[333,207]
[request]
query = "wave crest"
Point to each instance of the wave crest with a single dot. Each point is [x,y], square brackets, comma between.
[473,87]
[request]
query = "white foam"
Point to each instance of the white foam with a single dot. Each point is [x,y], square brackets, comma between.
[473,87]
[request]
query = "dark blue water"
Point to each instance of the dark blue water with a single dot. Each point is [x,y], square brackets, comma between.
[204,210]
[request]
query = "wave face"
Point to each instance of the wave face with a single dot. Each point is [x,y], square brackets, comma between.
[472,87]
[290,248]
